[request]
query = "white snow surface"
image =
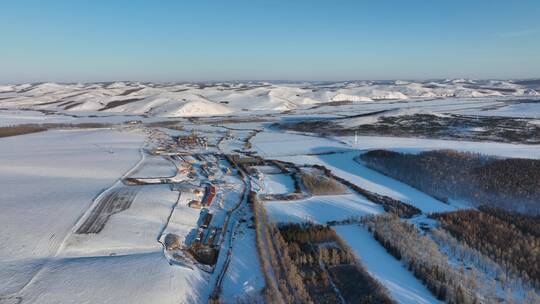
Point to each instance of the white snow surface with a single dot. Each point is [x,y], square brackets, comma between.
[17,117]
[244,279]
[272,144]
[134,278]
[154,166]
[278,183]
[321,209]
[133,230]
[48,180]
[190,99]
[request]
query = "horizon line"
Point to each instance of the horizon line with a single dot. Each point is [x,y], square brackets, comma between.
[269,80]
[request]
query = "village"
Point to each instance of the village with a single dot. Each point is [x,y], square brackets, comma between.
[205,181]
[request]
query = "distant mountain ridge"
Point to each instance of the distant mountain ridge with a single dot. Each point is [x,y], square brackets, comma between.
[221,98]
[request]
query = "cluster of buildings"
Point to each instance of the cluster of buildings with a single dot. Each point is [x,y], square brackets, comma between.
[207,199]
[206,235]
[192,140]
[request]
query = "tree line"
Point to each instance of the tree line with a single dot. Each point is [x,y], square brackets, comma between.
[512,184]
[423,258]
[503,241]
[307,263]
[326,267]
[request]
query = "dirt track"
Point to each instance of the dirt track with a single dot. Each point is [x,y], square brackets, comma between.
[117,200]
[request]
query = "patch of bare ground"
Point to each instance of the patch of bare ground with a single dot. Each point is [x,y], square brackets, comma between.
[20,130]
[84,125]
[204,254]
[34,128]
[333,104]
[117,103]
[72,105]
[168,124]
[129,91]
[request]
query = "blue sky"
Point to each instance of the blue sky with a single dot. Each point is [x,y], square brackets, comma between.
[95,40]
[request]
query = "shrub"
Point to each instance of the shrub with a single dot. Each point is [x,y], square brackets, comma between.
[321,185]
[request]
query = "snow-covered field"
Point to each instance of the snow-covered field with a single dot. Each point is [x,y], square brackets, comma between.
[321,209]
[133,230]
[154,166]
[51,181]
[17,117]
[133,278]
[530,110]
[278,183]
[293,144]
[272,144]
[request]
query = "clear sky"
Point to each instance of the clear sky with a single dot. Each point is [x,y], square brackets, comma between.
[97,40]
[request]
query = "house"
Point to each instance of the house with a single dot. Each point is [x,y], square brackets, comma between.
[195,204]
[206,220]
[209,195]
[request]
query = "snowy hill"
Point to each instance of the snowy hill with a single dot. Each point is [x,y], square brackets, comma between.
[207,99]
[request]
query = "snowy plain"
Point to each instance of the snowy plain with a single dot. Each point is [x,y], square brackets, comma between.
[48,180]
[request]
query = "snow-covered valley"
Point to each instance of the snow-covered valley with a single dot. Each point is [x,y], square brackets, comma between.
[132,192]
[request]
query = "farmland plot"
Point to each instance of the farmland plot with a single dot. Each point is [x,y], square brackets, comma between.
[117,200]
[49,180]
